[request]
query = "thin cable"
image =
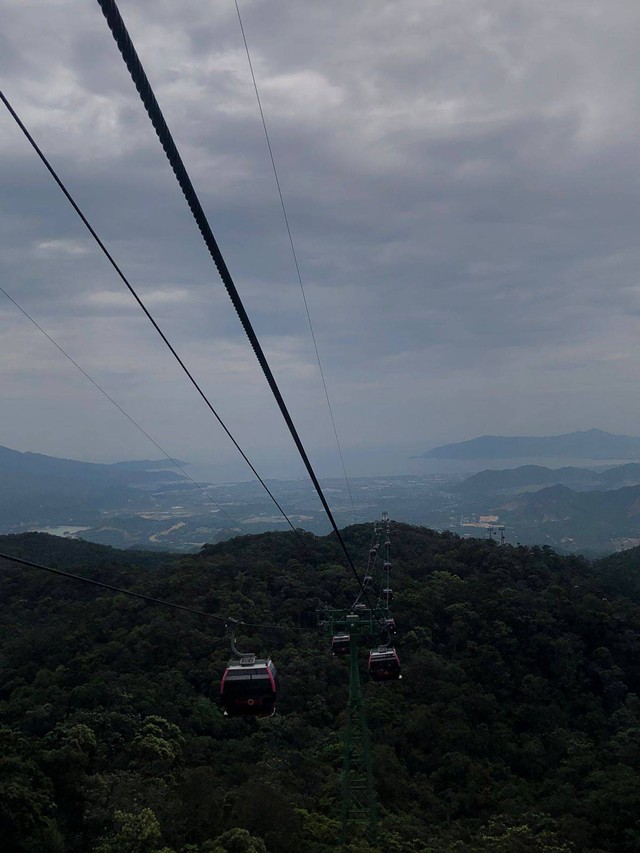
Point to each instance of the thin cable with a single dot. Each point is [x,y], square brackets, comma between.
[132,61]
[113,263]
[118,406]
[148,598]
[295,258]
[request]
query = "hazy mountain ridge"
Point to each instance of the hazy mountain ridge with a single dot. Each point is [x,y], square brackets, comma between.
[593,518]
[36,487]
[41,465]
[589,444]
[526,477]
[532,476]
[578,510]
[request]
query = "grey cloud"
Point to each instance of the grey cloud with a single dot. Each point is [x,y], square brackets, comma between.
[462,184]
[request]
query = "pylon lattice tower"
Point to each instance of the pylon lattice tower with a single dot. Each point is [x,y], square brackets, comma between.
[357,789]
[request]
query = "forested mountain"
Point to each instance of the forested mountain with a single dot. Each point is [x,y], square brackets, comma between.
[587,444]
[515,729]
[590,518]
[573,509]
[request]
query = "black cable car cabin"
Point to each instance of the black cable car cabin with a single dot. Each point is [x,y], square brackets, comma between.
[249,688]
[340,644]
[384,664]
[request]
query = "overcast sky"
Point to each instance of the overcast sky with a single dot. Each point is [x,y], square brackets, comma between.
[462,179]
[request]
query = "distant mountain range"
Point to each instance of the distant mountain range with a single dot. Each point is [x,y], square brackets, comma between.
[589,444]
[16,462]
[36,487]
[576,509]
[534,477]
[598,520]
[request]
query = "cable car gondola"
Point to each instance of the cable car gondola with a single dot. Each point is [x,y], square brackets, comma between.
[249,687]
[387,592]
[384,664]
[340,644]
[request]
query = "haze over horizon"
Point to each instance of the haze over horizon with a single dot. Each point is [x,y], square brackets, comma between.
[389,462]
[462,185]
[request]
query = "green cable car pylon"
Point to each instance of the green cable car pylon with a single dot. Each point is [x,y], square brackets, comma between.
[346,627]
[357,790]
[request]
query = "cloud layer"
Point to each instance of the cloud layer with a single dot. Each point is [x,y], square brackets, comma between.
[462,185]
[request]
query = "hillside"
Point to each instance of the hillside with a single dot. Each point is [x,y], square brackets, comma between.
[515,727]
[54,491]
[73,554]
[589,444]
[527,477]
[530,477]
[591,519]
[41,465]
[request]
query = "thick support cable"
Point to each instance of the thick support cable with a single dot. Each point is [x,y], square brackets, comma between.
[131,290]
[139,77]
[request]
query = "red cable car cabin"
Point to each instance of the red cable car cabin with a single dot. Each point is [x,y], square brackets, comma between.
[249,688]
[384,664]
[340,644]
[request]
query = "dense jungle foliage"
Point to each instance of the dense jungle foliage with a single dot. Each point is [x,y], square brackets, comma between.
[515,729]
